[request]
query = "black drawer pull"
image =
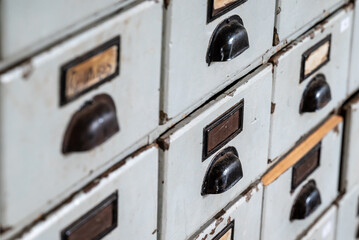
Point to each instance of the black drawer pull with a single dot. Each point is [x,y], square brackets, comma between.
[228,41]
[307,201]
[223,173]
[92,125]
[316,95]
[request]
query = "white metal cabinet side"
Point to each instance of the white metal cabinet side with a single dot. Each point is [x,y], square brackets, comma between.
[136,186]
[33,124]
[184,209]
[278,198]
[288,90]
[188,80]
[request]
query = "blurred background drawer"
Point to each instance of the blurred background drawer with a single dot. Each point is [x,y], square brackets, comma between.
[350,165]
[310,79]
[29,25]
[354,70]
[121,204]
[348,215]
[201,58]
[214,155]
[242,220]
[303,184]
[294,17]
[324,228]
[55,131]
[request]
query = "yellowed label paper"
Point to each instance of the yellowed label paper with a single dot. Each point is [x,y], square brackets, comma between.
[316,58]
[91,71]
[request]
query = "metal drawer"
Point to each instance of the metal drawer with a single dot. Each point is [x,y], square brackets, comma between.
[242,220]
[122,204]
[295,17]
[29,25]
[324,228]
[214,155]
[58,130]
[303,184]
[310,79]
[348,215]
[189,77]
[353,84]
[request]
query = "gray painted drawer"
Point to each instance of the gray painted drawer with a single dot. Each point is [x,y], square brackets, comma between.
[304,74]
[28,25]
[133,189]
[242,220]
[303,184]
[348,218]
[350,177]
[354,70]
[325,227]
[45,144]
[294,17]
[189,192]
[188,79]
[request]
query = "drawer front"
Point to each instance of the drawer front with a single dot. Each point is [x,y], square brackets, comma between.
[60,16]
[191,75]
[240,221]
[293,16]
[325,228]
[354,71]
[348,215]
[289,208]
[73,109]
[310,79]
[211,157]
[349,175]
[121,205]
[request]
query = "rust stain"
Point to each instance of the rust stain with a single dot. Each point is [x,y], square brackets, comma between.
[164,117]
[276,40]
[205,237]
[4,229]
[27,70]
[272,108]
[248,196]
[229,220]
[166,3]
[164,143]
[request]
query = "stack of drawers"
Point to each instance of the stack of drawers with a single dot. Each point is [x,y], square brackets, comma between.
[180,119]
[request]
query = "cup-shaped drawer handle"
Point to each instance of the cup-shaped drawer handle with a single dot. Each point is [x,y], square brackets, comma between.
[228,41]
[316,95]
[92,125]
[307,201]
[223,173]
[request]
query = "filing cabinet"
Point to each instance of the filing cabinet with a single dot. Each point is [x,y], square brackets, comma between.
[295,17]
[353,84]
[302,185]
[239,221]
[28,25]
[348,215]
[119,205]
[209,44]
[214,155]
[349,176]
[73,109]
[325,228]
[310,79]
